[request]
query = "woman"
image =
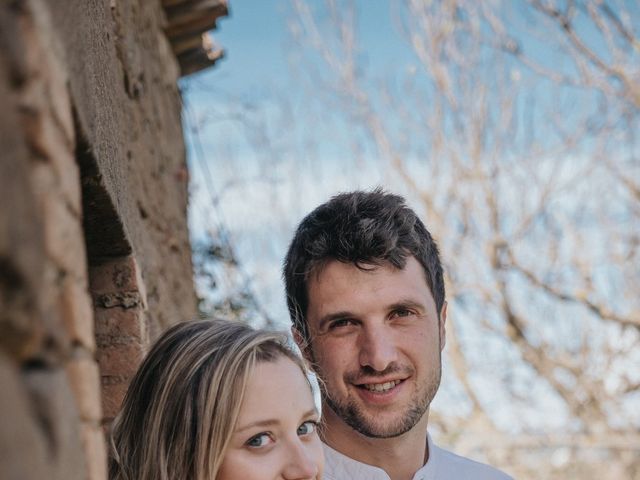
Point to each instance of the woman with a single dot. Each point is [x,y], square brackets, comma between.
[216,400]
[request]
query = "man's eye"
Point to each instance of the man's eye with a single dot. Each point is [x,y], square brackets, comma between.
[343,322]
[259,440]
[402,312]
[307,428]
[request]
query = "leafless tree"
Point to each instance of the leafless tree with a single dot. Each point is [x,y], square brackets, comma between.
[514,128]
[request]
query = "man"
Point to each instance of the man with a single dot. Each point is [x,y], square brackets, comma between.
[366,296]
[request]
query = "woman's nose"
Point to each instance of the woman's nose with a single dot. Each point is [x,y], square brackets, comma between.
[303,461]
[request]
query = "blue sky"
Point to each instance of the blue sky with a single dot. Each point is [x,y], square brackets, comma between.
[256,40]
[253,37]
[265,146]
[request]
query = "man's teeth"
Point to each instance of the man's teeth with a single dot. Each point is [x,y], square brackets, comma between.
[381,387]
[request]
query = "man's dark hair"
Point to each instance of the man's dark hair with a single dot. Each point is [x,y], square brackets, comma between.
[366,229]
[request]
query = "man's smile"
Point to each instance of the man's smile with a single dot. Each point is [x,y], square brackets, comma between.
[380,387]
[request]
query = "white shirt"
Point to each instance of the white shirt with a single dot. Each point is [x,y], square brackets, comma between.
[442,465]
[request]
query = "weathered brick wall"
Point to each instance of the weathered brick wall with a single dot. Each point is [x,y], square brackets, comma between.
[94,254]
[121,331]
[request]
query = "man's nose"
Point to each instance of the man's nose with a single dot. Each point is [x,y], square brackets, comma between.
[302,464]
[377,348]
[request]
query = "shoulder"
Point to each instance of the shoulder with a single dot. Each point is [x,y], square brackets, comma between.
[455,466]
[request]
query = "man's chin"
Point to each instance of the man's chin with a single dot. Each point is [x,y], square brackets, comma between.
[373,424]
[381,434]
[377,429]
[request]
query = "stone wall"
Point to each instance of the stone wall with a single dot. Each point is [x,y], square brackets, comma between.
[94,252]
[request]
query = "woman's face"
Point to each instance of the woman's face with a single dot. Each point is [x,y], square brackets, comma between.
[275,436]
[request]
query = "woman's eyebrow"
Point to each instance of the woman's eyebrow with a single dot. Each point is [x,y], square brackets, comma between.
[259,423]
[273,421]
[311,413]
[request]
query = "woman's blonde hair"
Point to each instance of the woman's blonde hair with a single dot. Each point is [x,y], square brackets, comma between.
[183,403]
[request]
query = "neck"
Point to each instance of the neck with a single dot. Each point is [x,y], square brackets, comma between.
[400,457]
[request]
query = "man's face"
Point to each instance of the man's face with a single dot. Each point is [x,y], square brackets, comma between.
[376,341]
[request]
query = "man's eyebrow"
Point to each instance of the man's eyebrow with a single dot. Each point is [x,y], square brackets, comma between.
[407,303]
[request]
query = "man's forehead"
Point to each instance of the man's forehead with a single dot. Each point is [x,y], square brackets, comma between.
[336,278]
[316,270]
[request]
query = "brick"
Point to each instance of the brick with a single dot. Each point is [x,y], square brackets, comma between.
[68,177]
[114,275]
[112,396]
[42,177]
[95,450]
[120,359]
[118,275]
[53,405]
[46,62]
[120,323]
[43,134]
[84,378]
[58,96]
[77,313]
[128,300]
[21,431]
[49,134]
[64,239]
[60,174]
[23,334]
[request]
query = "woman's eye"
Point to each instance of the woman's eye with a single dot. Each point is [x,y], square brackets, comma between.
[307,428]
[259,440]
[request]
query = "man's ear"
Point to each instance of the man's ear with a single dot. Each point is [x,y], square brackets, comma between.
[303,345]
[441,326]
